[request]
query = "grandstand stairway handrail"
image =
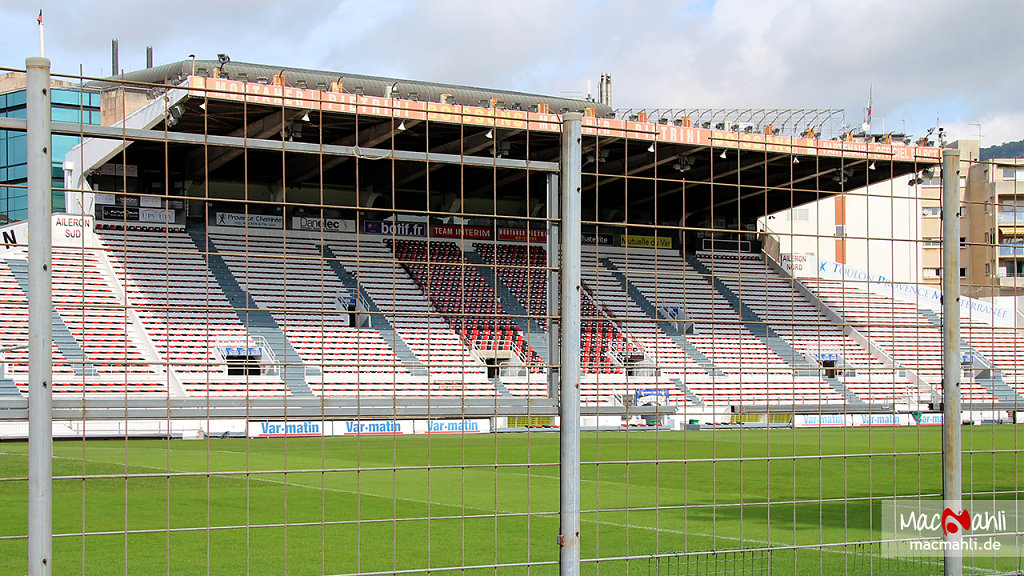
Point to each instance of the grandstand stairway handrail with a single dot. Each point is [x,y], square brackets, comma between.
[666,327]
[923,387]
[995,384]
[61,335]
[257,322]
[755,324]
[106,270]
[693,398]
[965,346]
[634,293]
[512,306]
[849,395]
[609,316]
[384,326]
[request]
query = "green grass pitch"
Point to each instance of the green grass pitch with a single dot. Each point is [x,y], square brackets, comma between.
[393,503]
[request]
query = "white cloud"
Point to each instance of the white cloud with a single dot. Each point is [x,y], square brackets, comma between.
[955,58]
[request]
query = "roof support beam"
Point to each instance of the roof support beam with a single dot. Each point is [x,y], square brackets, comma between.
[205,160]
[470,145]
[378,134]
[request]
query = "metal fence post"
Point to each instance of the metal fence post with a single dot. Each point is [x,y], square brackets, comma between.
[40,400]
[553,244]
[569,372]
[951,487]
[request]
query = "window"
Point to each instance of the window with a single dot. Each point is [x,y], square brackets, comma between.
[840,230]
[931,212]
[64,114]
[16,98]
[988,269]
[932,242]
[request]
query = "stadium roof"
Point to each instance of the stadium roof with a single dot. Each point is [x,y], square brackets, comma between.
[379,86]
[375,153]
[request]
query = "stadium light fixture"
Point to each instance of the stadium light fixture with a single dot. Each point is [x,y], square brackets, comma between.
[202,106]
[174,114]
[683,163]
[490,134]
[401,127]
[305,117]
[722,155]
[651,148]
[871,166]
[796,159]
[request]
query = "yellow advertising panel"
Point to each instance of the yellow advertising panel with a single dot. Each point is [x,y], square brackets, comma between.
[633,241]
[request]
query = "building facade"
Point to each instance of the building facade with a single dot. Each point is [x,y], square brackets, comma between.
[69,103]
[894,228]
[994,199]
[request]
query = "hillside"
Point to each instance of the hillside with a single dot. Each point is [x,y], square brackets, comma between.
[1005,150]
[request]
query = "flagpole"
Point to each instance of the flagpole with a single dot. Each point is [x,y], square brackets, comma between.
[40,20]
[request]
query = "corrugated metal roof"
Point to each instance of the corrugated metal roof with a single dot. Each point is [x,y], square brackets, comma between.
[371,85]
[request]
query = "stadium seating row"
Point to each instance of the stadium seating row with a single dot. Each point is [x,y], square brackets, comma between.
[149,313]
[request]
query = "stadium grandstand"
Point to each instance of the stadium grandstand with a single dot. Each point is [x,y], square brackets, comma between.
[323,236]
[242,252]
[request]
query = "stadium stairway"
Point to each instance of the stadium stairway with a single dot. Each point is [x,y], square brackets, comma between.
[60,333]
[533,332]
[693,398]
[379,320]
[801,363]
[851,398]
[667,327]
[9,388]
[500,388]
[994,383]
[257,322]
[509,302]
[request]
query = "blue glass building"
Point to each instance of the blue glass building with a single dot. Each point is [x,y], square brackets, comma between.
[67,105]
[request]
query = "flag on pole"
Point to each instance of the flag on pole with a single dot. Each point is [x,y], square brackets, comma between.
[39,19]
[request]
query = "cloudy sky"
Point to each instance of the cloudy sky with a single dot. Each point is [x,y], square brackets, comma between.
[959,60]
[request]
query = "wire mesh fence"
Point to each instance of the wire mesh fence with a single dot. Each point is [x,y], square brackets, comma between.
[302,324]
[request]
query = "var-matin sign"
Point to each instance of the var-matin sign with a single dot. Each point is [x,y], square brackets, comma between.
[300,428]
